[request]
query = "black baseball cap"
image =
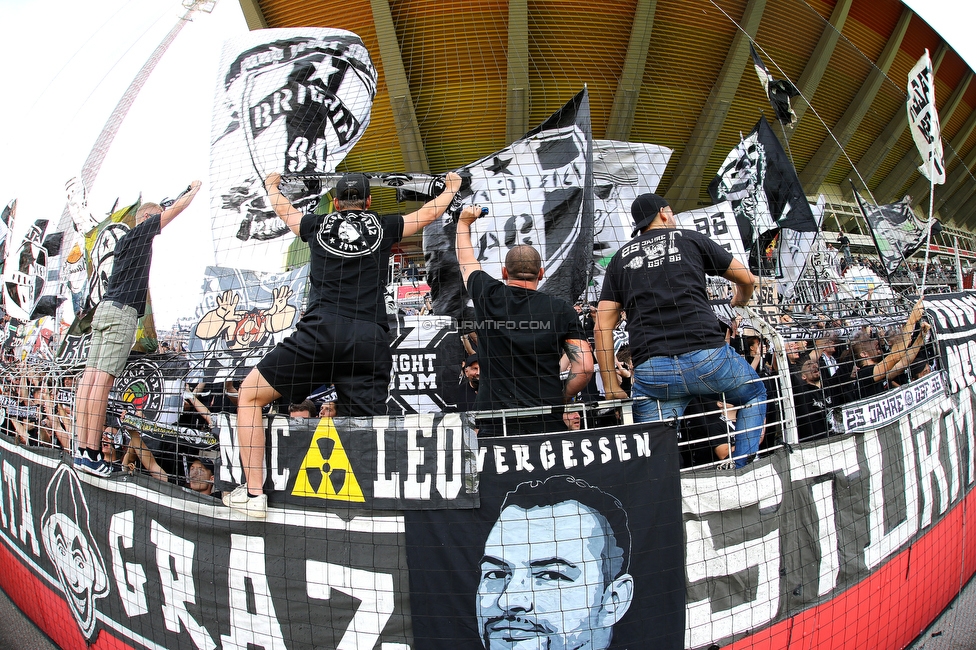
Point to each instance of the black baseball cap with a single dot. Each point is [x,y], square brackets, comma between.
[472,359]
[352,187]
[644,209]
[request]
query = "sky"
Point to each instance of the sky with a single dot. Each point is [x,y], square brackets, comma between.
[65,65]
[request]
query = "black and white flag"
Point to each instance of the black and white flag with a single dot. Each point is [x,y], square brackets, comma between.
[293,101]
[779,91]
[6,225]
[539,191]
[761,183]
[896,231]
[923,119]
[25,277]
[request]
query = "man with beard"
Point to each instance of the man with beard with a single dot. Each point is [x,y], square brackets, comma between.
[555,571]
[813,404]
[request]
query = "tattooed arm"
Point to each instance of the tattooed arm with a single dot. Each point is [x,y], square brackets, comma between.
[580,366]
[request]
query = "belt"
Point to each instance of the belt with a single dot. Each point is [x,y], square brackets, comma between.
[116,303]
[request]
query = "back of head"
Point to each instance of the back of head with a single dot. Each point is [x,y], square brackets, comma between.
[353,190]
[307,405]
[645,209]
[147,209]
[523,263]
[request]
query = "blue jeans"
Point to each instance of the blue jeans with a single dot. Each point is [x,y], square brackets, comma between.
[671,382]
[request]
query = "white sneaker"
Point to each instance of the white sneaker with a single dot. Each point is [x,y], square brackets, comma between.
[251,506]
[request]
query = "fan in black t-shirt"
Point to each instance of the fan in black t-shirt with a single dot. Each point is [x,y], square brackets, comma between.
[114,327]
[522,333]
[343,338]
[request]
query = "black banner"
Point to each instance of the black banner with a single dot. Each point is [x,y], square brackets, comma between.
[159,566]
[577,543]
[732,553]
[955,322]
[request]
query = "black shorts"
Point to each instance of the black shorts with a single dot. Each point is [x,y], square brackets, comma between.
[328,349]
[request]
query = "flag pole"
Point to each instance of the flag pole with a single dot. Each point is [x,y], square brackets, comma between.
[928,234]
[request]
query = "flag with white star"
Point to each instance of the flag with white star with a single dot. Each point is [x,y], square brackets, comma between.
[293,101]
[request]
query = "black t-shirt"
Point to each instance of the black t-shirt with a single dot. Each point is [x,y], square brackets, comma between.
[350,257]
[466,396]
[659,279]
[812,406]
[866,385]
[130,266]
[520,340]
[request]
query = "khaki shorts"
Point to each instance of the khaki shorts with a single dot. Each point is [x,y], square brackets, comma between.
[113,334]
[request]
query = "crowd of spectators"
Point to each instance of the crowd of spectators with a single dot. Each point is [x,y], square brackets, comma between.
[830,364]
[36,409]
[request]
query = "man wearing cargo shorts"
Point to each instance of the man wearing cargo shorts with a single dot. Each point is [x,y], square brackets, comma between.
[343,338]
[114,327]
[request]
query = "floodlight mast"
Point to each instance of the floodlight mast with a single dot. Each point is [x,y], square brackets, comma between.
[99,150]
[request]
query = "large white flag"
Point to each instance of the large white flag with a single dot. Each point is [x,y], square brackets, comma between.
[923,119]
[293,101]
[718,223]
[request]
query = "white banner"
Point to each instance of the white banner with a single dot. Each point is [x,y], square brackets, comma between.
[718,222]
[293,101]
[893,404]
[923,118]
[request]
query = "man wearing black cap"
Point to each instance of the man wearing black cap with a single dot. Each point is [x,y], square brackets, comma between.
[468,389]
[343,338]
[522,333]
[677,343]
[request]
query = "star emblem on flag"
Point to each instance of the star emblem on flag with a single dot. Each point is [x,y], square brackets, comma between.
[500,166]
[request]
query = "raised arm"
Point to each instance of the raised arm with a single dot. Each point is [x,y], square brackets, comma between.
[917,312]
[179,205]
[281,205]
[580,367]
[415,221]
[607,317]
[465,251]
[895,363]
[743,283]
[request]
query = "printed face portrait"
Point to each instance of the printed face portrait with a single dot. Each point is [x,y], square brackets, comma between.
[544,582]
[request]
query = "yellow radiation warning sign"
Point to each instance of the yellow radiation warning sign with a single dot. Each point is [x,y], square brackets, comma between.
[326,472]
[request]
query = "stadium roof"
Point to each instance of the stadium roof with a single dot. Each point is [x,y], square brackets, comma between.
[461,79]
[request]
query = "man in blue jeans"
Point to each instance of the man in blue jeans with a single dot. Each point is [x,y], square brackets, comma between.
[677,343]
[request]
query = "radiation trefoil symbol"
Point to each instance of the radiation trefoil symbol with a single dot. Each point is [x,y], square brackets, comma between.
[326,472]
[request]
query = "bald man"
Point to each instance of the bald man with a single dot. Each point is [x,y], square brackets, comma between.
[522,334]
